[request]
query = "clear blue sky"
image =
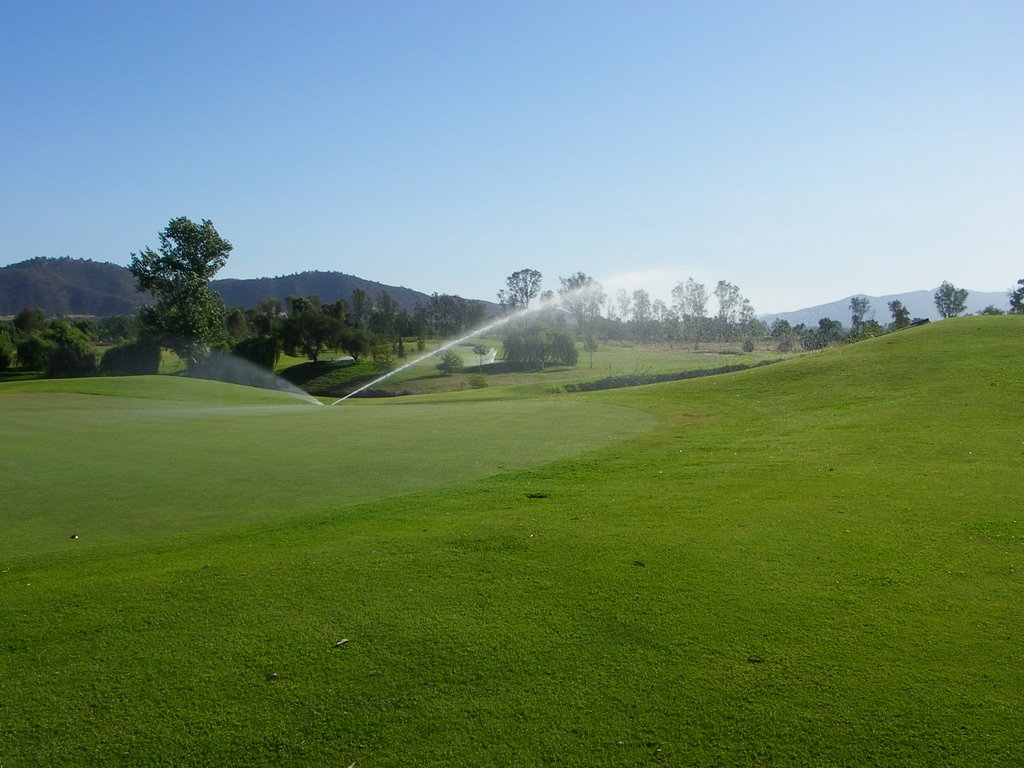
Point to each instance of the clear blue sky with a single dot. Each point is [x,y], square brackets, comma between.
[805,151]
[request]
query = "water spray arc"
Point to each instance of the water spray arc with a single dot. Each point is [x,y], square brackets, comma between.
[448,345]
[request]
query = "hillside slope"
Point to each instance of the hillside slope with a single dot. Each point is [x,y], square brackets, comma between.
[83,287]
[329,286]
[68,287]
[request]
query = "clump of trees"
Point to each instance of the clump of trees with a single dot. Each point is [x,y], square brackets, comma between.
[58,347]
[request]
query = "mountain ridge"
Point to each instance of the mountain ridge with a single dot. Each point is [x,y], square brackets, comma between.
[67,286]
[920,304]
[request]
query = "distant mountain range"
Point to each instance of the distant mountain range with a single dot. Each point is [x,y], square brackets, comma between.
[920,304]
[69,286]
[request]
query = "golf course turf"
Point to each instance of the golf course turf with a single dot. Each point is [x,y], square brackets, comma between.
[812,563]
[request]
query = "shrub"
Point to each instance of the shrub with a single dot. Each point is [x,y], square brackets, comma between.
[451,362]
[33,352]
[261,350]
[141,358]
[70,352]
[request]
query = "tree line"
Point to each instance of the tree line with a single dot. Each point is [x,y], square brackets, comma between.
[189,318]
[689,319]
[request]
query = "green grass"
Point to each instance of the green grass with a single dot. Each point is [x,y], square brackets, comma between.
[815,563]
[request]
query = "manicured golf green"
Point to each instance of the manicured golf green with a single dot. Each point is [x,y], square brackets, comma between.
[815,563]
[183,455]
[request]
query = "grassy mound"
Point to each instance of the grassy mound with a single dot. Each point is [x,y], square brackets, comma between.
[812,563]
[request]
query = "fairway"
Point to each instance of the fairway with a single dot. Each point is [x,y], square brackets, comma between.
[815,563]
[113,468]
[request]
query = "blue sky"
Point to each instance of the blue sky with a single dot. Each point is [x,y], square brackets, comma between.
[805,151]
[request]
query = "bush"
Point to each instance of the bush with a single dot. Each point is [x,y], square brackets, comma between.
[141,358]
[33,353]
[70,352]
[261,350]
[70,361]
[451,362]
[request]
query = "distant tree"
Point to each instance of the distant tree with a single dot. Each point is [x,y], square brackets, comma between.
[900,315]
[950,300]
[8,351]
[729,300]
[384,315]
[642,319]
[590,344]
[520,289]
[782,334]
[237,323]
[690,300]
[29,320]
[625,302]
[354,341]
[361,306]
[991,309]
[117,329]
[563,348]
[383,357]
[451,362]
[828,332]
[188,316]
[859,307]
[33,352]
[535,345]
[70,353]
[1017,298]
[263,319]
[88,326]
[582,296]
[263,351]
[139,358]
[481,352]
[307,328]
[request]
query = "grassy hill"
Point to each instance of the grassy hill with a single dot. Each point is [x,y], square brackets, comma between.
[814,563]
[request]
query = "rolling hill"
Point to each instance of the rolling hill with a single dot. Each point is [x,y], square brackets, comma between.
[69,286]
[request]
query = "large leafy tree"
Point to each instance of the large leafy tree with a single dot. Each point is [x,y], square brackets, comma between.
[188,316]
[900,314]
[583,297]
[729,301]
[1017,298]
[308,328]
[950,300]
[859,308]
[520,288]
[690,301]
